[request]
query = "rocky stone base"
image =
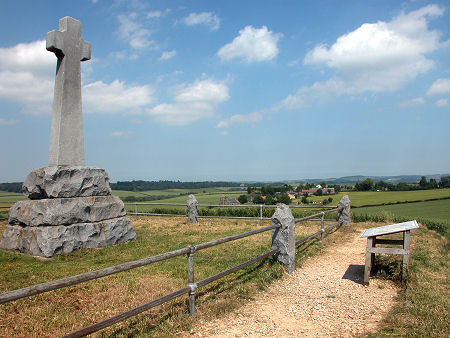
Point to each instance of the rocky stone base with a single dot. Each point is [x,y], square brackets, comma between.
[66,181]
[66,211]
[46,241]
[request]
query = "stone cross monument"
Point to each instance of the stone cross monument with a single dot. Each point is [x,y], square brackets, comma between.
[70,206]
[66,134]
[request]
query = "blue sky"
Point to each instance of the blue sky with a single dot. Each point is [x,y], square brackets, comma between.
[236,90]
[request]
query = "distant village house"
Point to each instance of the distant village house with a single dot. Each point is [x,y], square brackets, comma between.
[228,201]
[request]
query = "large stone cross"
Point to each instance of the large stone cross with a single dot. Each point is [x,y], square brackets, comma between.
[66,134]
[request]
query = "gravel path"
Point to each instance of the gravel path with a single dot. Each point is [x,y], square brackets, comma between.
[324,297]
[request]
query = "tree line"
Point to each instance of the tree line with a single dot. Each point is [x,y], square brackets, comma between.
[163,185]
[369,185]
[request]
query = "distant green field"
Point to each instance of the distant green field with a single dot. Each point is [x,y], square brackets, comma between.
[208,198]
[359,198]
[433,210]
[212,195]
[9,198]
[175,192]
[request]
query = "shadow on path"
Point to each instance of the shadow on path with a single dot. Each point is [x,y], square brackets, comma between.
[354,273]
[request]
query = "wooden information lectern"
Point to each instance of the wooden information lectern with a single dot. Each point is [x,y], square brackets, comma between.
[372,241]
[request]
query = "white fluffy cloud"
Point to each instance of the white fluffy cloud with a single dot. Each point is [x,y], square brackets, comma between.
[412,102]
[442,103]
[8,122]
[240,119]
[376,57]
[252,44]
[27,76]
[27,73]
[208,19]
[116,97]
[192,102]
[133,32]
[167,55]
[440,87]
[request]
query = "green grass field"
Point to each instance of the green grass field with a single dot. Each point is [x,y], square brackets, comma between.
[359,198]
[9,198]
[434,210]
[207,195]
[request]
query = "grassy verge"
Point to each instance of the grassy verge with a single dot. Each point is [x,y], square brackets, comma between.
[65,310]
[422,308]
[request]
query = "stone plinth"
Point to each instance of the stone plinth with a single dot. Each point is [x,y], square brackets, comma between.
[47,241]
[72,209]
[65,211]
[66,181]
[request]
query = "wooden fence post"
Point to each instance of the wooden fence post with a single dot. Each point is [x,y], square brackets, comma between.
[322,230]
[191,280]
[283,237]
[260,214]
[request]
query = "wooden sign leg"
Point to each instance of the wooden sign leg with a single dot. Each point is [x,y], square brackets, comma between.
[406,244]
[368,265]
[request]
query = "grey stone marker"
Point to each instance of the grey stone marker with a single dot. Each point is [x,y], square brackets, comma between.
[344,215]
[70,206]
[192,209]
[283,238]
[66,134]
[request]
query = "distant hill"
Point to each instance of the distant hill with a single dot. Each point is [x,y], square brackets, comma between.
[387,179]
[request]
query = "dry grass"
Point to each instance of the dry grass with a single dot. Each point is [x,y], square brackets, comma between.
[62,311]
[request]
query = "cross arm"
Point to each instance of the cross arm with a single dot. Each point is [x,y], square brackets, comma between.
[85,51]
[54,42]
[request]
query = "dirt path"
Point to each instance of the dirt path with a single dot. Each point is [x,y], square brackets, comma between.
[324,297]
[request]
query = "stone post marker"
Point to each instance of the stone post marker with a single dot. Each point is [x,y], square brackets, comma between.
[70,206]
[344,215]
[283,238]
[192,209]
[66,133]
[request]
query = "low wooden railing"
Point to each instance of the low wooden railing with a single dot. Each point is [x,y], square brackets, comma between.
[181,205]
[190,289]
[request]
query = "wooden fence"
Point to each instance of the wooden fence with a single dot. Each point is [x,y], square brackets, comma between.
[191,287]
[136,212]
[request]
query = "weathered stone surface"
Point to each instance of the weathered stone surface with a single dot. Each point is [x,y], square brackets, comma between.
[344,215]
[46,241]
[66,133]
[192,209]
[66,211]
[66,181]
[283,238]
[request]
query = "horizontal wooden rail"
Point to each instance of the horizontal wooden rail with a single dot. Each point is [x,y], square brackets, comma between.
[232,205]
[233,237]
[84,277]
[130,313]
[318,214]
[236,268]
[318,233]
